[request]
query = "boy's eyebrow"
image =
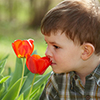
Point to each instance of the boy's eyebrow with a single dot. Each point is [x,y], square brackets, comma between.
[53,42]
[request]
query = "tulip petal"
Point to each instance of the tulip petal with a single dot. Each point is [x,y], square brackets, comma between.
[37,64]
[36,56]
[23,48]
[15,46]
[30,41]
[43,64]
[31,64]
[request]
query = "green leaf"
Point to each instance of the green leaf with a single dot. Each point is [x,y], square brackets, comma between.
[1,76]
[12,92]
[36,85]
[2,87]
[28,81]
[17,73]
[4,79]
[26,71]
[6,57]
[2,64]
[2,90]
[34,52]
[21,97]
[36,94]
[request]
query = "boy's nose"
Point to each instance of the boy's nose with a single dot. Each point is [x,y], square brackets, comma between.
[48,52]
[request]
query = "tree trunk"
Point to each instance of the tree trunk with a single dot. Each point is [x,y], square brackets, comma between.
[38,11]
[10,7]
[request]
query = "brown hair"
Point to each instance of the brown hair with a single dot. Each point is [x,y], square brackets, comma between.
[78,19]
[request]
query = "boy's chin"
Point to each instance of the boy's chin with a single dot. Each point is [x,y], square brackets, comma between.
[58,72]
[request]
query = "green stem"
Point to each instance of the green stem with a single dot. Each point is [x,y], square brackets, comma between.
[21,78]
[31,86]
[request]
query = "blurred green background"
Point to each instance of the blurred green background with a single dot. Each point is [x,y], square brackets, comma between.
[21,19]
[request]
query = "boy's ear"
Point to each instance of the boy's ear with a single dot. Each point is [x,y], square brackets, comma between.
[87,50]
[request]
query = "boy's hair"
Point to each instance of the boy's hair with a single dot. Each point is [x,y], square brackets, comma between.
[79,19]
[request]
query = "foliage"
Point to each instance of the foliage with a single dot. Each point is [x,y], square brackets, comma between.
[9,84]
[25,11]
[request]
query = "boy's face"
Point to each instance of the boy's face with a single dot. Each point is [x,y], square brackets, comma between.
[64,54]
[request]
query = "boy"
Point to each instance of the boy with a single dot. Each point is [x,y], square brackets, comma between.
[72,33]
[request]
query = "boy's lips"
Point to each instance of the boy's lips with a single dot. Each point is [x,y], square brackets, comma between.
[53,63]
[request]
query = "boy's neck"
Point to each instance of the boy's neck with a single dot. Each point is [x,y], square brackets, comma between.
[88,68]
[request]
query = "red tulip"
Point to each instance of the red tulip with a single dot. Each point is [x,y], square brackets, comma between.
[37,64]
[22,48]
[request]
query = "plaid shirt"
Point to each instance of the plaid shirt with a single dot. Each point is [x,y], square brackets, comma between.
[70,87]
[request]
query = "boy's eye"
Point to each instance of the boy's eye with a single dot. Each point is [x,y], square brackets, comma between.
[56,46]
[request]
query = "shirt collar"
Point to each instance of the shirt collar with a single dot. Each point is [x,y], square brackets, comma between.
[95,74]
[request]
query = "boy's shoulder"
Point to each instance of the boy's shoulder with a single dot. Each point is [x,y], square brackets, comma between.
[65,79]
[59,77]
[58,80]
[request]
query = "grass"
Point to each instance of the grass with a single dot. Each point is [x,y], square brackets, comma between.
[12,31]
